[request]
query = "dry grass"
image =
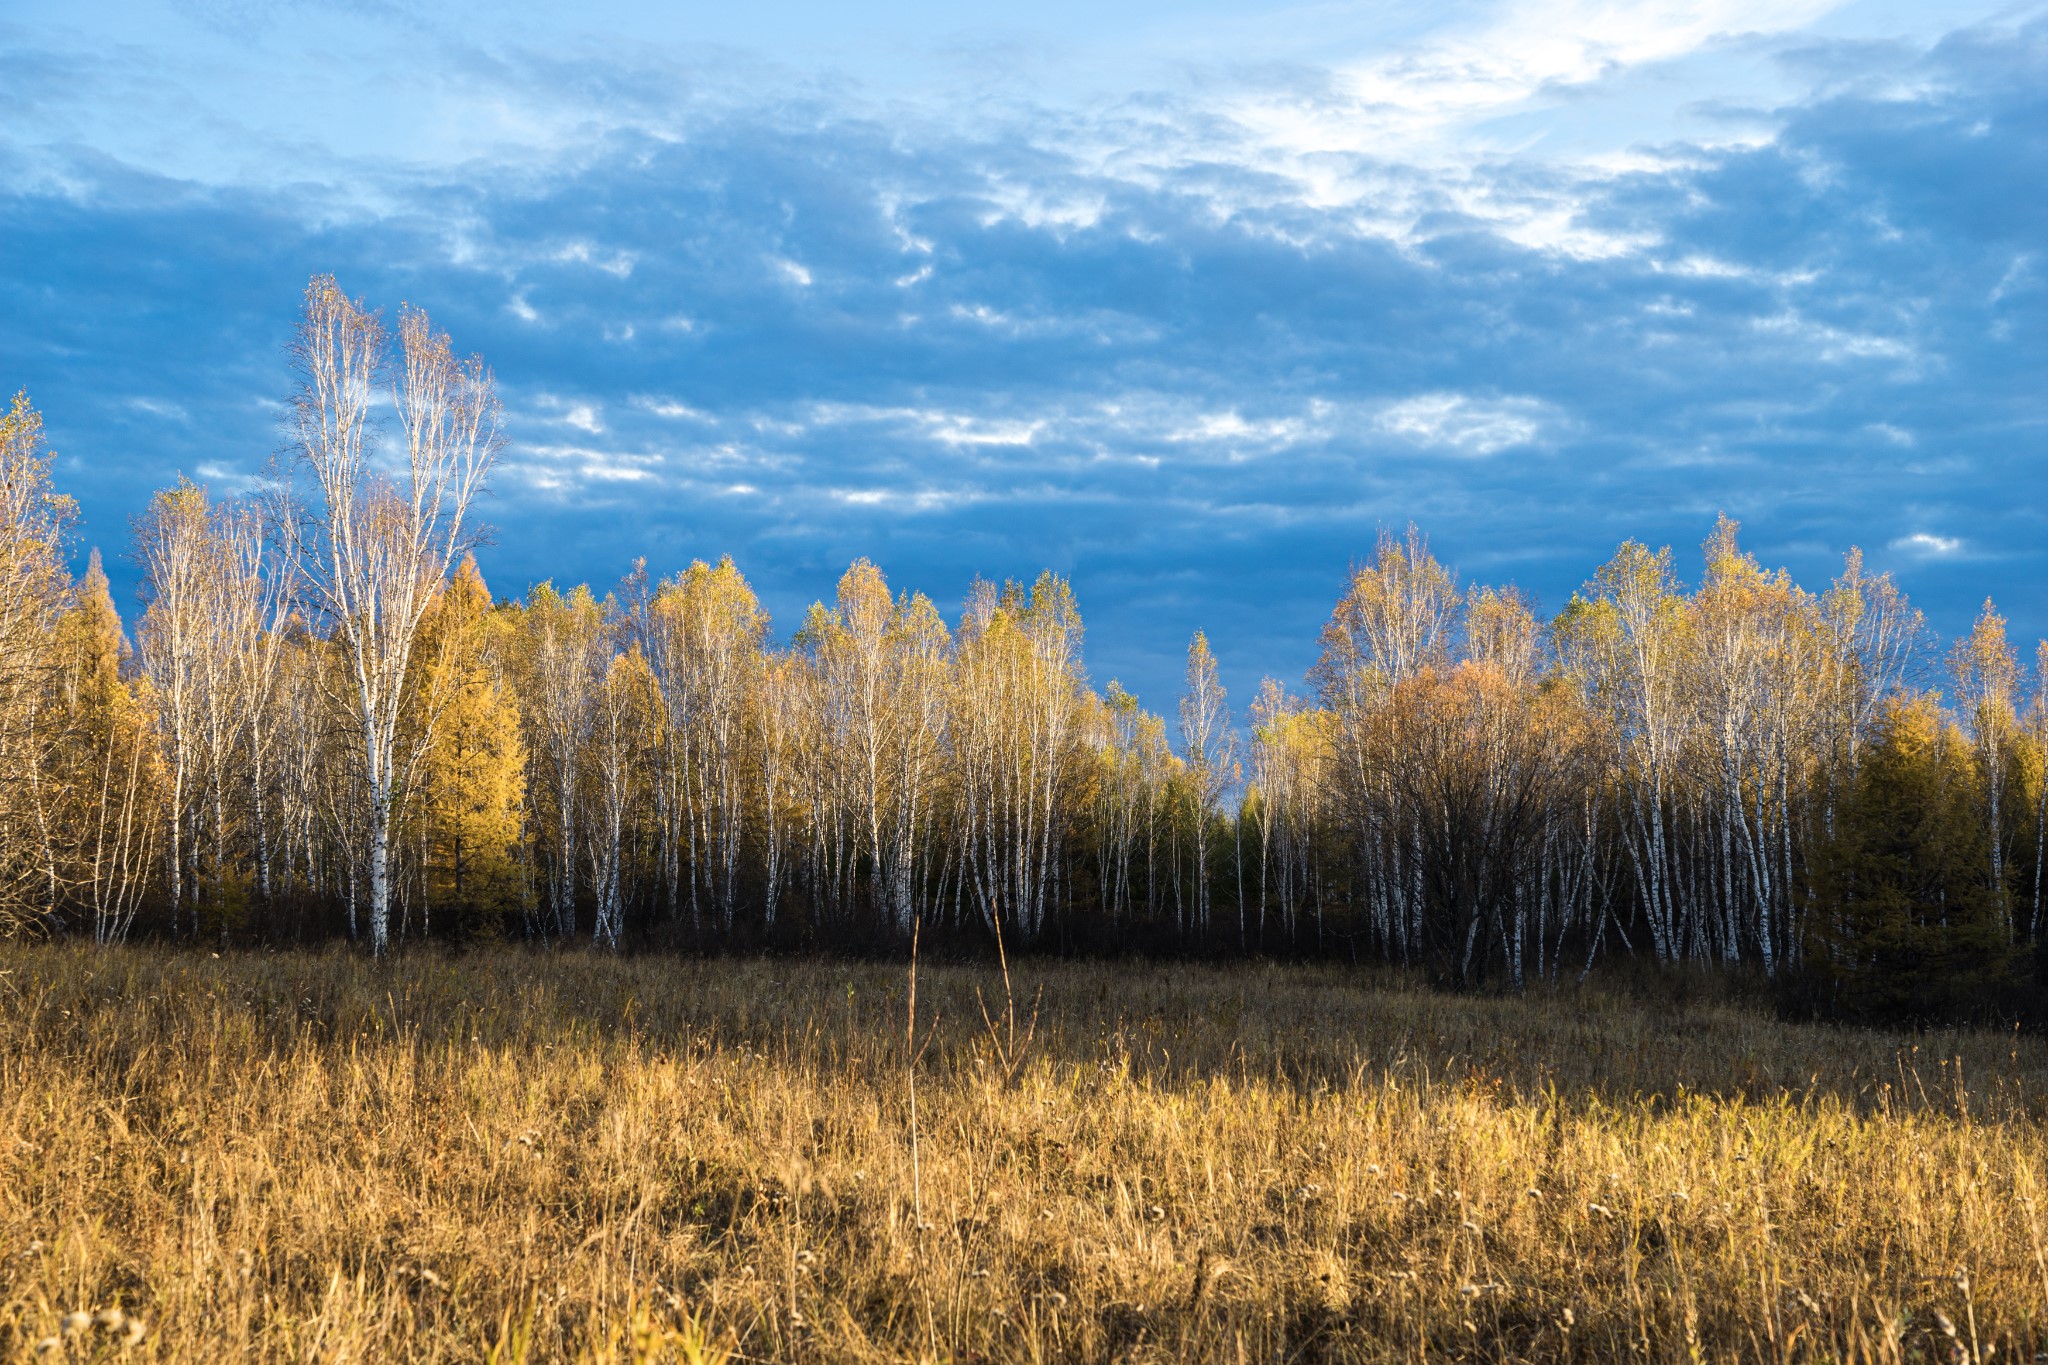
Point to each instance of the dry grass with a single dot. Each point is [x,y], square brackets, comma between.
[510,1156]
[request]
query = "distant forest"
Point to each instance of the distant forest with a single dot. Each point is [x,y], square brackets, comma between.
[325,726]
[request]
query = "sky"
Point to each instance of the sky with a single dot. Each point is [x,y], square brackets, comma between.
[1186,301]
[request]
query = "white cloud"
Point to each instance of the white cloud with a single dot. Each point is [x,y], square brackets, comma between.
[1558,228]
[558,468]
[1033,207]
[1418,99]
[910,499]
[158,408]
[615,263]
[1419,120]
[1928,546]
[985,315]
[1231,429]
[1699,266]
[950,428]
[955,429]
[2015,274]
[224,479]
[1119,429]
[1833,344]
[671,408]
[613,471]
[793,272]
[584,416]
[1464,425]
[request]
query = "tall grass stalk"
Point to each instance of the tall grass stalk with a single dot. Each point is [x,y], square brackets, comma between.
[519,1156]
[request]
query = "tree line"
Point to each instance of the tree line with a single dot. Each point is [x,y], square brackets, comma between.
[325,724]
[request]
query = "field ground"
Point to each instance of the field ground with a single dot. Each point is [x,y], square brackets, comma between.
[511,1156]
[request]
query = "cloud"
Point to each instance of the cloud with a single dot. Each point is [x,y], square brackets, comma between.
[158,407]
[580,414]
[1123,342]
[1461,425]
[1832,343]
[1417,99]
[947,428]
[618,264]
[1921,544]
[670,408]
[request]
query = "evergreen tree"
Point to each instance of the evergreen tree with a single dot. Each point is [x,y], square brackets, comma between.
[1905,925]
[104,785]
[475,773]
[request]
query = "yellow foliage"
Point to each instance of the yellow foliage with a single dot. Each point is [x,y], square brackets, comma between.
[475,781]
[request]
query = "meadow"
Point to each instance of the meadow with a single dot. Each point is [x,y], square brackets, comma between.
[506,1155]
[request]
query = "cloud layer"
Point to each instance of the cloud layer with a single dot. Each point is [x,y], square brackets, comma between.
[1191,347]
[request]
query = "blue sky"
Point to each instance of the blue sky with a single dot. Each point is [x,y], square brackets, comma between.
[1182,300]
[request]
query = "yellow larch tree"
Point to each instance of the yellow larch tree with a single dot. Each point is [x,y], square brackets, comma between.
[105,783]
[473,792]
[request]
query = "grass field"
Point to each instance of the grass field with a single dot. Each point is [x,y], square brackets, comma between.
[511,1156]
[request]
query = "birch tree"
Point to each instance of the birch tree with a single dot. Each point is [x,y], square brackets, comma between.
[622,705]
[1398,618]
[173,550]
[1016,702]
[781,723]
[209,638]
[255,610]
[703,632]
[371,533]
[1985,667]
[880,666]
[561,658]
[35,521]
[1626,636]
[1206,739]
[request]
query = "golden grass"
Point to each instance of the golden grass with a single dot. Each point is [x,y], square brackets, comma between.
[515,1156]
